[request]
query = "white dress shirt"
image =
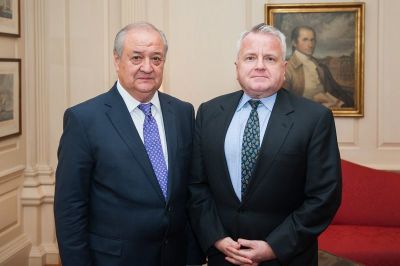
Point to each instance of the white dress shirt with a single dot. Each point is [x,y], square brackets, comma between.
[138,116]
[234,136]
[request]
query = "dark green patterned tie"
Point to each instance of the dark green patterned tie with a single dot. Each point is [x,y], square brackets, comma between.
[250,145]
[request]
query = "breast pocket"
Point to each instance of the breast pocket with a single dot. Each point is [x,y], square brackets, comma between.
[293,159]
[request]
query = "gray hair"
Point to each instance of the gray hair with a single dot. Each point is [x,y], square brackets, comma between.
[265,29]
[120,37]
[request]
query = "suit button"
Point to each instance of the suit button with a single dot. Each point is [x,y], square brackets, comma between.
[166,242]
[170,208]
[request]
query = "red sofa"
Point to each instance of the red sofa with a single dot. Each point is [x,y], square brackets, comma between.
[366,228]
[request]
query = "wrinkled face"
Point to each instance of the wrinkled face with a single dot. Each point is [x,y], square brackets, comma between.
[260,68]
[141,64]
[305,43]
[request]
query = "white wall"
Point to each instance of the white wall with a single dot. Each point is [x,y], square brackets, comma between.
[14,244]
[66,48]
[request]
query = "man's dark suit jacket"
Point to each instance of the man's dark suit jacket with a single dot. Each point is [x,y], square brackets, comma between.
[293,194]
[109,207]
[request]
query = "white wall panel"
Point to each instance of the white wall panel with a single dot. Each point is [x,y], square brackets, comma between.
[389,78]
[9,209]
[202,37]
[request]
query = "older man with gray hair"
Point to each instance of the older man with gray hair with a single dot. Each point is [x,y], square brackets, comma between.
[123,166]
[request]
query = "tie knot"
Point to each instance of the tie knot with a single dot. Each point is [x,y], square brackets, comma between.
[254,103]
[145,108]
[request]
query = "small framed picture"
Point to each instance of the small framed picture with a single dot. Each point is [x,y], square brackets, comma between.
[325,52]
[10,18]
[10,97]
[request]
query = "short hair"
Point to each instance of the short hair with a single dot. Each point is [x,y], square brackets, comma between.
[265,29]
[120,37]
[296,32]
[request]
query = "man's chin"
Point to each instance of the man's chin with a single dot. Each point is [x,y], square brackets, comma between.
[146,86]
[260,92]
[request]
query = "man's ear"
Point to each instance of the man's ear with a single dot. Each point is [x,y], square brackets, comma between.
[116,61]
[237,71]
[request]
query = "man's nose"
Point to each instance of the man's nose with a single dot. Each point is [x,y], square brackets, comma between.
[146,65]
[260,64]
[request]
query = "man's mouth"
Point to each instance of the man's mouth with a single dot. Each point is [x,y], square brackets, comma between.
[265,77]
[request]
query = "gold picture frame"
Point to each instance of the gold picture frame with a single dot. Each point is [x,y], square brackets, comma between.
[10,97]
[337,55]
[10,18]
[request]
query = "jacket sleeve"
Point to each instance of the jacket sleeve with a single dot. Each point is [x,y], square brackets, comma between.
[195,255]
[71,199]
[322,194]
[202,210]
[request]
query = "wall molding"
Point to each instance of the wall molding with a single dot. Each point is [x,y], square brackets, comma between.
[12,173]
[19,246]
[38,187]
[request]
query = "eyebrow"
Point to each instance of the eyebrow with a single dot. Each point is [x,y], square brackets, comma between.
[142,52]
[254,53]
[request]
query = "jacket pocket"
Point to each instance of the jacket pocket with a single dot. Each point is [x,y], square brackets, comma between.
[105,245]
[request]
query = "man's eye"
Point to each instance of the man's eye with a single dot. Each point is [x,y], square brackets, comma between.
[156,59]
[250,58]
[137,59]
[270,59]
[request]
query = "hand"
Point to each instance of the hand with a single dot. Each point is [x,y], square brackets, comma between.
[226,246]
[254,250]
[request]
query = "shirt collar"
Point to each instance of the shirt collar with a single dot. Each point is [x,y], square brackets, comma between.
[268,102]
[132,103]
[302,57]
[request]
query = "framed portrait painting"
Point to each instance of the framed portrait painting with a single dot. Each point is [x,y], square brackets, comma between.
[325,52]
[10,97]
[10,18]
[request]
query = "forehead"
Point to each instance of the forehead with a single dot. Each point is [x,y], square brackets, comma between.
[255,42]
[143,39]
[306,32]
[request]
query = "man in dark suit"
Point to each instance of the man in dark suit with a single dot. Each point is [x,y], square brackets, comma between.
[266,178]
[122,175]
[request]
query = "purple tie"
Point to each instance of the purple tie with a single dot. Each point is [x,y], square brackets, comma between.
[153,147]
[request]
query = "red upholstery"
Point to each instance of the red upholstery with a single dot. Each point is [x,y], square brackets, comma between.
[367,226]
[369,197]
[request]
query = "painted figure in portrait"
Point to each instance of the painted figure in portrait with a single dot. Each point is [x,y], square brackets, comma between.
[321,63]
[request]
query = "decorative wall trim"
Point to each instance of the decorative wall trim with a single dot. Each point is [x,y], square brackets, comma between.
[11,173]
[12,145]
[20,246]
[106,41]
[37,195]
[388,124]
[67,55]
[37,256]
[127,12]
[38,187]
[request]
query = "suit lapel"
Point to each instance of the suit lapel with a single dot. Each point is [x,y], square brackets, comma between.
[224,117]
[123,124]
[169,118]
[278,127]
